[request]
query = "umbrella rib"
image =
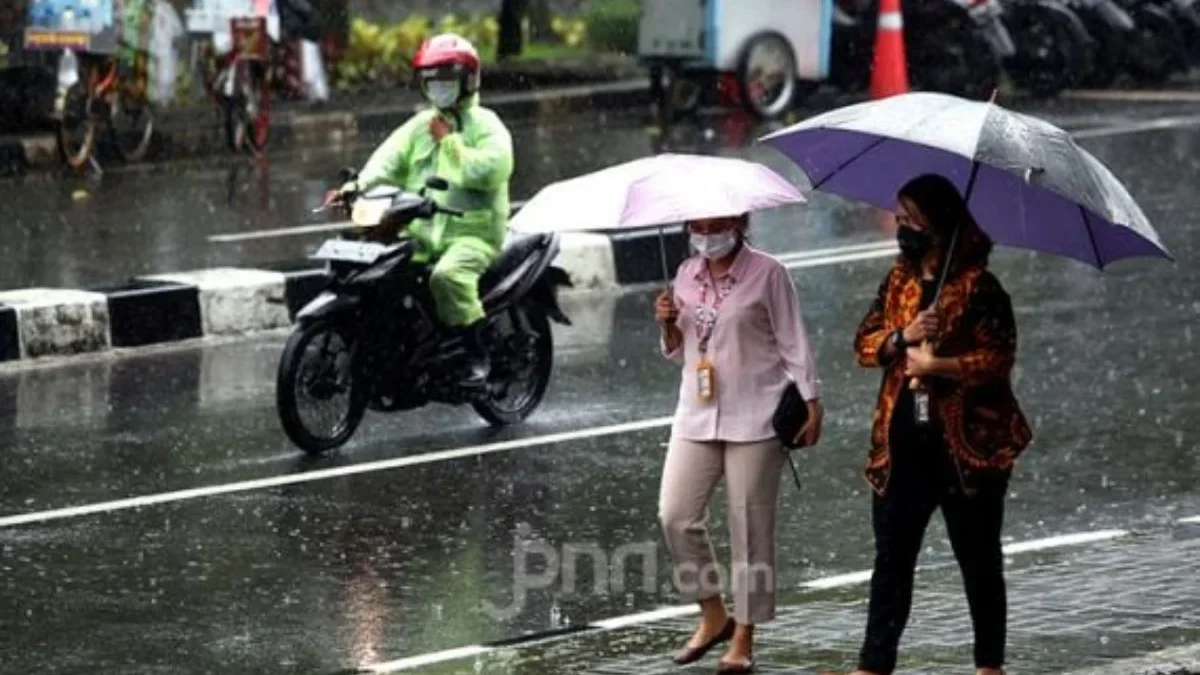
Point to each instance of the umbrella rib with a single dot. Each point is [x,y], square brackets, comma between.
[874,144]
[1087,225]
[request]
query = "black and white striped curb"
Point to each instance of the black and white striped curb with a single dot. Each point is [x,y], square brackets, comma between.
[223,301]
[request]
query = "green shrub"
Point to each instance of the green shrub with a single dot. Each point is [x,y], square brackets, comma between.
[612,25]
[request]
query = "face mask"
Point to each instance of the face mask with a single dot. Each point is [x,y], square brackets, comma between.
[914,244]
[442,93]
[714,246]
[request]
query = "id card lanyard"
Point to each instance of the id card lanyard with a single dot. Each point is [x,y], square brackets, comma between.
[705,373]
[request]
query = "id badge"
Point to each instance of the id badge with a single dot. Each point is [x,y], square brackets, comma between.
[921,406]
[705,380]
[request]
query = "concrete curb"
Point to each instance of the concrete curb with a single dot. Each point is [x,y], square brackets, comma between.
[1174,661]
[231,301]
[197,138]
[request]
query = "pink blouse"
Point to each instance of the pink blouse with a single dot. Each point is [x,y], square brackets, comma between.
[757,346]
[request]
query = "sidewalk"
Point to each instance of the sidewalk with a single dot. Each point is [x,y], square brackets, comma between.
[1069,609]
[520,90]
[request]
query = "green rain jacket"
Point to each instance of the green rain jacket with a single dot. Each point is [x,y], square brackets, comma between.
[477,162]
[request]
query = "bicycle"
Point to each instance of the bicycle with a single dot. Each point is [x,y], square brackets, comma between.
[105,90]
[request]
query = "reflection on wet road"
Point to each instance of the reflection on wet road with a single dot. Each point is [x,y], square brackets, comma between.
[372,561]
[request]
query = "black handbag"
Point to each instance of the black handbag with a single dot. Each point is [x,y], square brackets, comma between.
[791,414]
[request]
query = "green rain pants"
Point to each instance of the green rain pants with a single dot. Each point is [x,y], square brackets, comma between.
[454,282]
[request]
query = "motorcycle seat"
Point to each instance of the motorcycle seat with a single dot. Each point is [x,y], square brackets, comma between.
[518,248]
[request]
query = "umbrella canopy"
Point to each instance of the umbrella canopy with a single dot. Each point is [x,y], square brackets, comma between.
[658,190]
[1027,182]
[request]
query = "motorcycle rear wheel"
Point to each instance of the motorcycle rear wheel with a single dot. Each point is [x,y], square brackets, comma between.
[289,382]
[1048,57]
[498,410]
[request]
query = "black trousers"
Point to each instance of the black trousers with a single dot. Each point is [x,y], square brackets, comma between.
[922,480]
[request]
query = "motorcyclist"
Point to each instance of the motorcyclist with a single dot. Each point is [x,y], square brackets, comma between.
[466,144]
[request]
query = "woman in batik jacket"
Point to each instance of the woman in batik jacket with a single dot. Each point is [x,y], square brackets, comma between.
[947,427]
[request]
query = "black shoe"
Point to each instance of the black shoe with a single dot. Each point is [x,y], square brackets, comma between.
[478,364]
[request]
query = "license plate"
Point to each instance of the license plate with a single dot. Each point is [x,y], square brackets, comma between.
[340,250]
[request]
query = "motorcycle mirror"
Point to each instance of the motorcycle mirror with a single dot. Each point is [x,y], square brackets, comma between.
[348,174]
[437,183]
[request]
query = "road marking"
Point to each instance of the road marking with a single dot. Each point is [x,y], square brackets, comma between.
[335,472]
[427,659]
[297,230]
[1063,540]
[646,617]
[838,581]
[1190,521]
[1059,541]
[1139,127]
[278,232]
[1133,95]
[663,613]
[843,258]
[848,248]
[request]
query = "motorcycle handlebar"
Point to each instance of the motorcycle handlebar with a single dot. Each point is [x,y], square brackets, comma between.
[450,212]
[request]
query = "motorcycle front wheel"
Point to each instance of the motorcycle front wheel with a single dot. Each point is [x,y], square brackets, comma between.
[522,359]
[317,378]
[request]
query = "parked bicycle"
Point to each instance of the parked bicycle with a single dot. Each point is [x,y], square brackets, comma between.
[106,93]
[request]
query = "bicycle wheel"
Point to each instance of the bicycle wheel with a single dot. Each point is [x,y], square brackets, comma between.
[77,121]
[131,125]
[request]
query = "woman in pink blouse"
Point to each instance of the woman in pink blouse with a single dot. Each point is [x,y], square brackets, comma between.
[733,322]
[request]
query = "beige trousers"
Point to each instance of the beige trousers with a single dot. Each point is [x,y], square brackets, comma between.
[752,475]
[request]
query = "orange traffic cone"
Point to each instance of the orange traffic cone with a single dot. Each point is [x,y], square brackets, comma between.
[889,69]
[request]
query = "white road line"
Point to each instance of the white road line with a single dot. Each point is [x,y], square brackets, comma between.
[1063,540]
[1139,127]
[427,659]
[838,581]
[278,232]
[835,259]
[641,618]
[336,472]
[790,256]
[646,617]
[1190,521]
[1059,541]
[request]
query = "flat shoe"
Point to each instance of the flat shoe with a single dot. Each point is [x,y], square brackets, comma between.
[741,667]
[687,655]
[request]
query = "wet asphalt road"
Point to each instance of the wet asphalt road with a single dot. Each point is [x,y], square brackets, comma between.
[94,232]
[332,573]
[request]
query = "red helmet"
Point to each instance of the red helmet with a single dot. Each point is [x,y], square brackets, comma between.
[447,50]
[447,57]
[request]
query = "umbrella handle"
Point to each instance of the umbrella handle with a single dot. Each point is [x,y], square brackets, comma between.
[915,383]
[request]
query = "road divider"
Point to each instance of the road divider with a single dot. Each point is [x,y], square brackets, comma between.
[236,301]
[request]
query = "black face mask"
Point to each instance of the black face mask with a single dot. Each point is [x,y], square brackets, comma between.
[914,244]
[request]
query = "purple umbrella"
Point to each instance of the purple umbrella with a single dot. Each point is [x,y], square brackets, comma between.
[1026,181]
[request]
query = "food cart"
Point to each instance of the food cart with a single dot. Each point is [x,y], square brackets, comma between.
[770,50]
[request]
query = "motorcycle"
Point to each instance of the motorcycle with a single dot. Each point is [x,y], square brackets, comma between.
[954,46]
[1135,36]
[1156,49]
[390,351]
[1054,48]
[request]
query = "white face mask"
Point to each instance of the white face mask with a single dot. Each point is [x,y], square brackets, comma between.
[714,246]
[442,93]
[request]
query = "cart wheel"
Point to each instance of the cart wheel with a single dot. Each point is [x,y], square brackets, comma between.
[767,76]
